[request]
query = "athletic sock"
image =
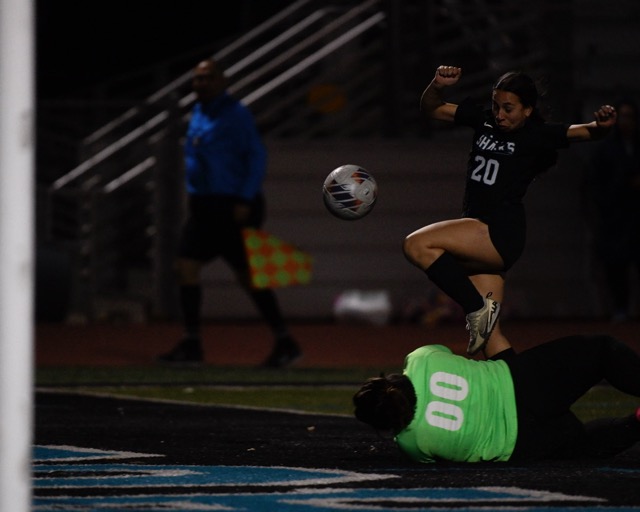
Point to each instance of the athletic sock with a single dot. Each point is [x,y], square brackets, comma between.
[190,304]
[448,275]
[267,303]
[607,437]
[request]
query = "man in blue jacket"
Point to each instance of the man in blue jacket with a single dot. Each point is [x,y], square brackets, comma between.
[225,166]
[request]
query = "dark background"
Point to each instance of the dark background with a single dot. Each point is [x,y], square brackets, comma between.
[81,43]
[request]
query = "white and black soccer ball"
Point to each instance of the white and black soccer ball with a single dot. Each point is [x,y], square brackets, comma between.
[350,192]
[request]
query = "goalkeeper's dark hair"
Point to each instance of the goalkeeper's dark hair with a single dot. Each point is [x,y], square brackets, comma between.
[386,403]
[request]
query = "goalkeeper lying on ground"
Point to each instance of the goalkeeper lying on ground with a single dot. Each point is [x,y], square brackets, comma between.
[513,407]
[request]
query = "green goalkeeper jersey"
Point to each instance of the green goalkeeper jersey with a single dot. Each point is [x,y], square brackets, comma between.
[465,411]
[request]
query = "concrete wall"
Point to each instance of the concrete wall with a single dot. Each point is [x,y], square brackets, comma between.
[420,181]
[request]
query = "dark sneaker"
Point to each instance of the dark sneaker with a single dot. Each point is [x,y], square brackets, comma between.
[187,351]
[284,354]
[480,324]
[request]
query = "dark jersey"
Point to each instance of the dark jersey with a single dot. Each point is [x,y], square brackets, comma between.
[502,165]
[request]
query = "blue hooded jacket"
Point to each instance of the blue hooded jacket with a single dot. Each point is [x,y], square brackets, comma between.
[224,154]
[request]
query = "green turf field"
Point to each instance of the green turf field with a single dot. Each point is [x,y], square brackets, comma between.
[315,390]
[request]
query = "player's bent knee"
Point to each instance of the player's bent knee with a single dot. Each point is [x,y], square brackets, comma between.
[417,251]
[407,249]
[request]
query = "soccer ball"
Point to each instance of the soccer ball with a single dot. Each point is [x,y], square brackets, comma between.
[349,192]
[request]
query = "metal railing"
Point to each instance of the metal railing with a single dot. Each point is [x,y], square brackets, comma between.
[316,69]
[107,207]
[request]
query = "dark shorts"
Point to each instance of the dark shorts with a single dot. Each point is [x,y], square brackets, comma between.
[547,428]
[508,232]
[211,231]
[550,377]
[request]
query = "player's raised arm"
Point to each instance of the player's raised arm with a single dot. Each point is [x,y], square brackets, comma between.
[432,103]
[606,116]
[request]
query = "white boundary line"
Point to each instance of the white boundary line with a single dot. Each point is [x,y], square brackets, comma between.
[98,394]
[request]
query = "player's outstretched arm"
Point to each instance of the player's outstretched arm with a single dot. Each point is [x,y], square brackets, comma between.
[606,117]
[432,103]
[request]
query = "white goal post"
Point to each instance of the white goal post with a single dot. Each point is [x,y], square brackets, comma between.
[17,148]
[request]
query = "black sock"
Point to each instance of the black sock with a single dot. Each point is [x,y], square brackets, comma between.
[267,303]
[190,304]
[448,275]
[608,437]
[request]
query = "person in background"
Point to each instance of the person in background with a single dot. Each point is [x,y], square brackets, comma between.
[512,407]
[614,200]
[512,144]
[225,166]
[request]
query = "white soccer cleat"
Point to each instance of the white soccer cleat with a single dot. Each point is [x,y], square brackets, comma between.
[480,324]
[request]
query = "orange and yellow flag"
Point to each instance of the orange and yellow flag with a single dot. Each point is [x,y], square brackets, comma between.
[274,263]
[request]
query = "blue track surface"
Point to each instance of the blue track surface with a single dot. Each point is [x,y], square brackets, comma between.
[110,454]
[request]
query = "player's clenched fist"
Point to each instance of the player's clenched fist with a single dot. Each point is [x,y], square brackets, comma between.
[447,75]
[606,116]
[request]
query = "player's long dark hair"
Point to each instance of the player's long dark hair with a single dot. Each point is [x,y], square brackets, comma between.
[523,86]
[386,403]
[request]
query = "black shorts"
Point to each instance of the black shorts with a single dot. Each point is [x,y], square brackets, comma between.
[550,377]
[508,232]
[211,230]
[547,428]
